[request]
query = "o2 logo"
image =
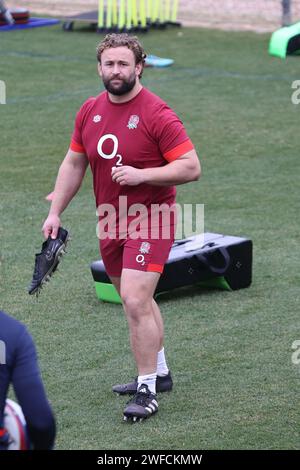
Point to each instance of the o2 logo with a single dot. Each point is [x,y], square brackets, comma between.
[114,153]
[140,259]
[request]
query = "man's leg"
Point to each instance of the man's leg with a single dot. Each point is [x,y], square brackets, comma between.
[116,282]
[160,326]
[159,323]
[164,380]
[137,289]
[159,248]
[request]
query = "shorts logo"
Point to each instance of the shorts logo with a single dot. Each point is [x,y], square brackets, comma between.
[144,248]
[133,122]
[140,259]
[97,118]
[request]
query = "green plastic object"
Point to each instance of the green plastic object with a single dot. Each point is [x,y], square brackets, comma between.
[284,41]
[216,283]
[107,292]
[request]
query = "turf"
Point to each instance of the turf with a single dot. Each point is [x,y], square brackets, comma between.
[230,352]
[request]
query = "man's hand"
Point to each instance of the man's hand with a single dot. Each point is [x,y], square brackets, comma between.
[48,259]
[51,226]
[127,175]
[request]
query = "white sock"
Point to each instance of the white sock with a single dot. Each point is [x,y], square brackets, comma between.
[149,380]
[162,368]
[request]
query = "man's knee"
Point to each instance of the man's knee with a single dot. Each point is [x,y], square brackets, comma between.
[136,306]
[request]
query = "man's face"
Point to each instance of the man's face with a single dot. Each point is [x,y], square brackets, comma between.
[118,70]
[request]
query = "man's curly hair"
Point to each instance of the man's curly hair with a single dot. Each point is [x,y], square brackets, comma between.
[123,40]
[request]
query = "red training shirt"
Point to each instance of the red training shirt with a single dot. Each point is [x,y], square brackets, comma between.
[143,132]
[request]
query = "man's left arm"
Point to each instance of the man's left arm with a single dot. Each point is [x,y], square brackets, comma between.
[184,169]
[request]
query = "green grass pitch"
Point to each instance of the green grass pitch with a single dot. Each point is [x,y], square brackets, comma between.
[230,352]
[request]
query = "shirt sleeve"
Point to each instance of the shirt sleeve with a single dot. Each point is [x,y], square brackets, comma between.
[76,141]
[170,134]
[77,144]
[25,360]
[31,395]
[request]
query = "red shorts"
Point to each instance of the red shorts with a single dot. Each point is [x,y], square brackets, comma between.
[142,254]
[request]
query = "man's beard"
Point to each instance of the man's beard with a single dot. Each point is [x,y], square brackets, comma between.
[125,87]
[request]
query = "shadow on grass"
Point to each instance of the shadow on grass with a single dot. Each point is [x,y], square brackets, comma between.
[189,292]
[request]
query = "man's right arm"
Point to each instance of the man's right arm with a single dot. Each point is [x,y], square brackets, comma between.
[68,182]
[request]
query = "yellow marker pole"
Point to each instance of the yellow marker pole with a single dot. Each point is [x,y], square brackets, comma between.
[122,20]
[142,12]
[108,14]
[174,11]
[155,10]
[161,13]
[134,13]
[149,9]
[168,10]
[100,14]
[129,15]
[115,12]
[152,10]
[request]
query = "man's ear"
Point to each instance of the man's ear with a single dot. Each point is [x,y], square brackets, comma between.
[99,69]
[138,69]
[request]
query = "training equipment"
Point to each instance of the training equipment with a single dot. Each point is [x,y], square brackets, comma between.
[47,261]
[32,23]
[141,406]
[15,424]
[163,384]
[89,18]
[128,16]
[207,260]
[14,16]
[155,61]
[285,41]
